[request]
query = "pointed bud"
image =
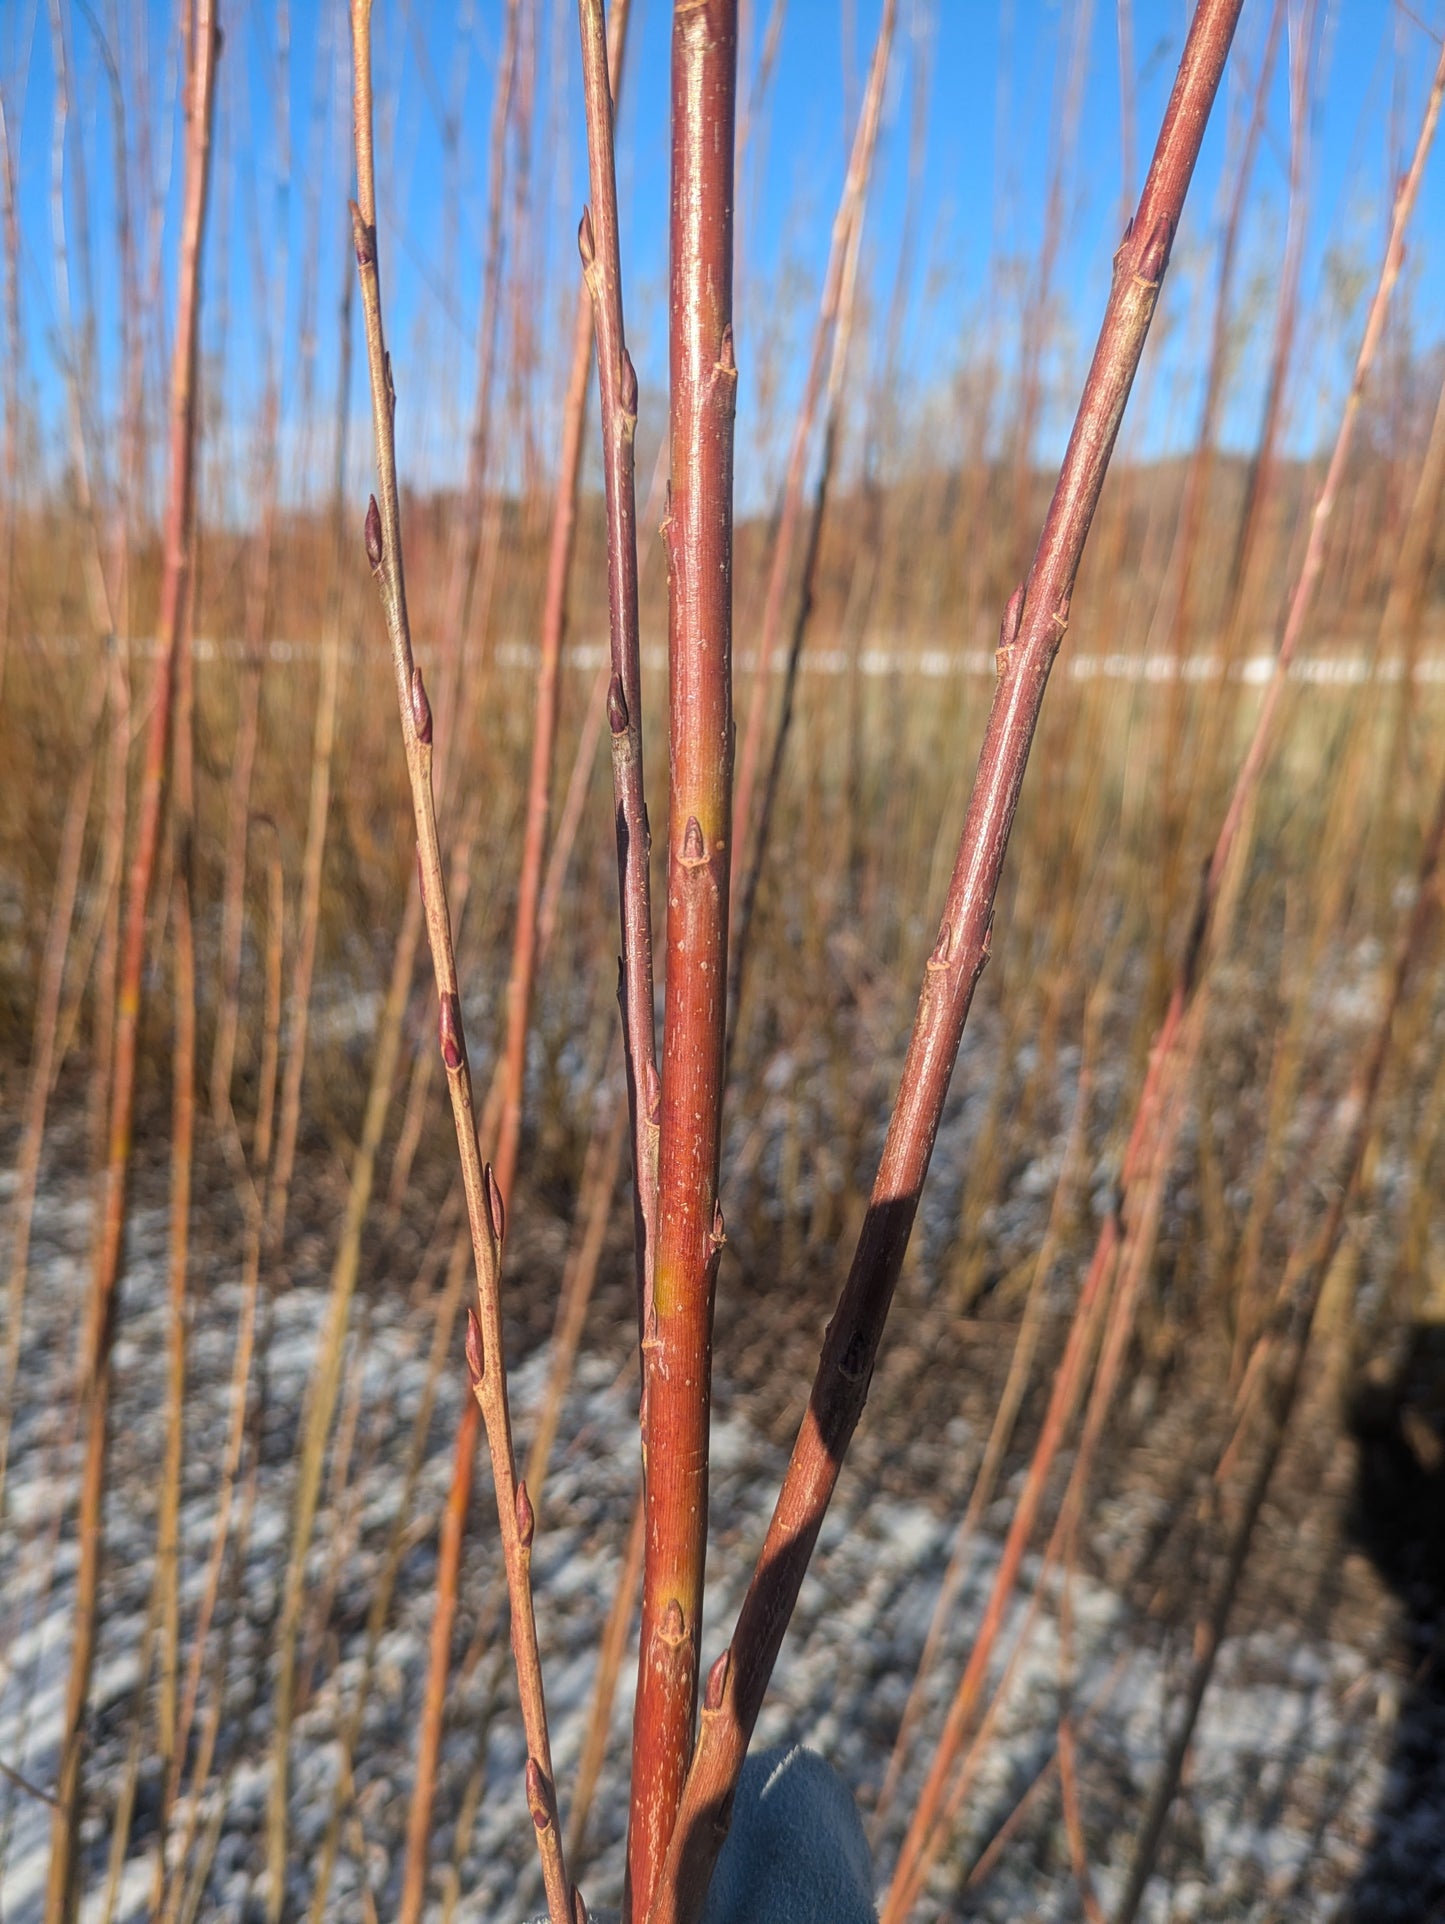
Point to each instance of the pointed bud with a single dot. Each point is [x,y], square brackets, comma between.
[1013,617]
[539,1801]
[526,1517]
[653,1092]
[496,1208]
[693,853]
[476,1354]
[717,1682]
[628,393]
[420,709]
[449,1025]
[719,1228]
[617,715]
[373,534]
[943,948]
[855,1357]
[1155,257]
[672,1628]
[586,245]
[725,358]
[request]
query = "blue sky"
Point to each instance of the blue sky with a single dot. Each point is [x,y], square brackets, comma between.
[993,80]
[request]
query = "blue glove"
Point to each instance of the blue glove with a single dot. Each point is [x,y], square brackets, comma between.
[796,1853]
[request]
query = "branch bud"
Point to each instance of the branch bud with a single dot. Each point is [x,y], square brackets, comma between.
[717,1682]
[476,1352]
[449,1025]
[373,534]
[617,715]
[693,852]
[496,1208]
[420,708]
[628,392]
[586,245]
[539,1800]
[526,1516]
[1155,257]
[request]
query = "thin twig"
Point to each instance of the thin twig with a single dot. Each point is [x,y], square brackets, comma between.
[485,1353]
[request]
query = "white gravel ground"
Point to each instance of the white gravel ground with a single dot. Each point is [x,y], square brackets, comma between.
[1292,1762]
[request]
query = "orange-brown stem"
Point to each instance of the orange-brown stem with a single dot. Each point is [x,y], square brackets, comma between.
[677,1338]
[1033,629]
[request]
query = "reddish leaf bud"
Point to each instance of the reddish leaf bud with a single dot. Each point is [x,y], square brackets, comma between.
[373,534]
[420,708]
[476,1353]
[693,852]
[717,1682]
[526,1517]
[1013,617]
[1155,257]
[496,1208]
[539,1801]
[586,245]
[617,715]
[628,395]
[449,1023]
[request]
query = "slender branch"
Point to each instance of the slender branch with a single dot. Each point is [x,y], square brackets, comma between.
[512,1068]
[485,1354]
[1129,1234]
[617,390]
[836,278]
[853,204]
[61,1894]
[1301,1297]
[1033,629]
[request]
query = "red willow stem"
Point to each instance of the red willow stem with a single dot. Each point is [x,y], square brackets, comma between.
[202,44]
[600,245]
[1033,629]
[677,1338]
[1129,1233]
